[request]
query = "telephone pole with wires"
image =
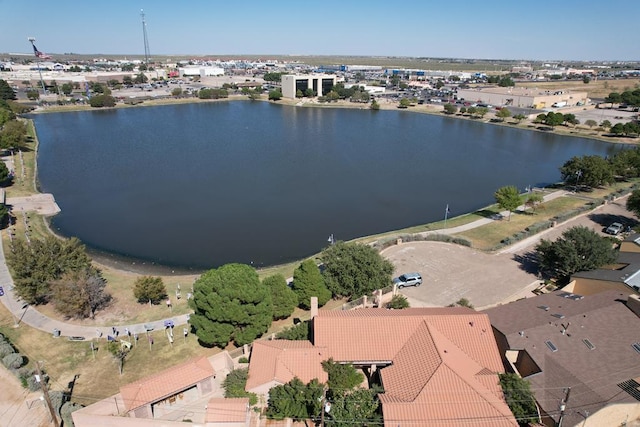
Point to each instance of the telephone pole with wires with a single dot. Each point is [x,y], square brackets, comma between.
[45,394]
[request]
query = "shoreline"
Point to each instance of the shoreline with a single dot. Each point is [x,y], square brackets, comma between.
[129,265]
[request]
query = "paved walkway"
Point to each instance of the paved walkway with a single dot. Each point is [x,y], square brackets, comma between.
[29,315]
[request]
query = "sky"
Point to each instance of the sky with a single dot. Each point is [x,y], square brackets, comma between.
[482,29]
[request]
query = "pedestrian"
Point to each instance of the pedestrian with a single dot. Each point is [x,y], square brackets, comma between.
[126,331]
[113,328]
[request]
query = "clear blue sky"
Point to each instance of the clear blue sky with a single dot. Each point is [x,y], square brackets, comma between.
[502,29]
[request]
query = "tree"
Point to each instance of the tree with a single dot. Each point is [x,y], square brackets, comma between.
[127,81]
[148,289]
[342,376]
[309,93]
[519,117]
[6,115]
[283,299]
[140,78]
[482,111]
[506,81]
[554,119]
[176,91]
[230,303]
[299,332]
[606,124]
[374,105]
[5,175]
[127,67]
[6,91]
[275,95]
[41,262]
[519,397]
[99,101]
[533,200]
[503,114]
[450,108]
[307,283]
[404,103]
[119,351]
[67,88]
[578,249]
[589,171]
[295,400]
[234,385]
[33,94]
[351,408]
[299,93]
[80,293]
[353,269]
[508,198]
[570,119]
[13,135]
[633,202]
[591,123]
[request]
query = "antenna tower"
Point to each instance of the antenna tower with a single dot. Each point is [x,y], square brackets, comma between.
[146,40]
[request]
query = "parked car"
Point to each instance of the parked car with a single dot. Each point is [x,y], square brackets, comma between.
[614,228]
[408,279]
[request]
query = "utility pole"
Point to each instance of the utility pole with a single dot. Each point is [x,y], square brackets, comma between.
[563,405]
[45,394]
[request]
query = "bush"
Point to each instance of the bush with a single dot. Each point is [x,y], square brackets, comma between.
[6,349]
[28,379]
[398,302]
[66,410]
[299,332]
[13,361]
[243,360]
[235,383]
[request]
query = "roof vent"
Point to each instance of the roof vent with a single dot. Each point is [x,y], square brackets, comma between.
[558,315]
[551,346]
[544,307]
[589,344]
[636,346]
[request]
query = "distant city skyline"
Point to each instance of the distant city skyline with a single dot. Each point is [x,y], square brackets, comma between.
[492,29]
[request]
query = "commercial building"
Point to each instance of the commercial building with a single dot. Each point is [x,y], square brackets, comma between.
[320,83]
[523,97]
[201,71]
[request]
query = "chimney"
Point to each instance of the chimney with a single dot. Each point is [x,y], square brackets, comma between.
[633,303]
[314,307]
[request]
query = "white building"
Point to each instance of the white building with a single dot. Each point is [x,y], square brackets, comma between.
[201,71]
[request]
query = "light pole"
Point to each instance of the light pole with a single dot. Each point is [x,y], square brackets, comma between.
[578,175]
[32,40]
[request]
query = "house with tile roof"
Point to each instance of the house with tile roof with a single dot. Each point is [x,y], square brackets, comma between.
[623,276]
[583,347]
[438,366]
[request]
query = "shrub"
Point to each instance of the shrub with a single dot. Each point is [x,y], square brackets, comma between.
[66,410]
[298,332]
[398,302]
[13,361]
[235,383]
[6,349]
[243,360]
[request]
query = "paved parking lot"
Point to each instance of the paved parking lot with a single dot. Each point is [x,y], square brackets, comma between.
[451,272]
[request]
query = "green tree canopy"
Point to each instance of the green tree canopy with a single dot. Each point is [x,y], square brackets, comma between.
[519,397]
[41,262]
[508,198]
[633,202]
[503,114]
[578,249]
[283,299]
[13,135]
[230,303]
[299,332]
[234,385]
[353,269]
[275,95]
[295,400]
[350,409]
[307,283]
[99,101]
[450,108]
[6,91]
[342,376]
[589,171]
[149,289]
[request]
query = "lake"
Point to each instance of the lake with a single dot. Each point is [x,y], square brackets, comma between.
[195,186]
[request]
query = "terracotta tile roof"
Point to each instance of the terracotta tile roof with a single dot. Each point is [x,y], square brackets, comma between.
[227,410]
[282,360]
[166,383]
[592,374]
[443,362]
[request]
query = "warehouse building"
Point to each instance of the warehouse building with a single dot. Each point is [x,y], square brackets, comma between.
[523,97]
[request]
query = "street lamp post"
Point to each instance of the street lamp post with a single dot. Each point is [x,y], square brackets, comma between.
[578,175]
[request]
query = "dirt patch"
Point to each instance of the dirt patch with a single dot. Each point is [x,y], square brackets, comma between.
[19,406]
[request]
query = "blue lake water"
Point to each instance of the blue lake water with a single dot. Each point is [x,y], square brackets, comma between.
[200,185]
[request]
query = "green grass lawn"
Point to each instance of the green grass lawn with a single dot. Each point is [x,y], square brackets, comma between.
[490,235]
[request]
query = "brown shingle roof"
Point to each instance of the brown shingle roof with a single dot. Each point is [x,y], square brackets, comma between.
[282,360]
[166,383]
[592,374]
[227,410]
